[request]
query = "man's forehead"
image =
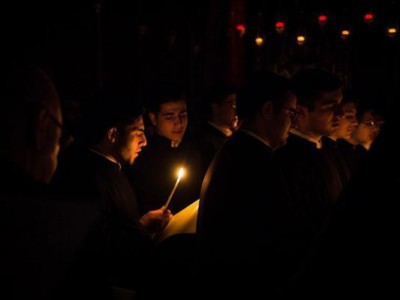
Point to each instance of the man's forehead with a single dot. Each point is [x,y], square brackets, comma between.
[137,123]
[173,106]
[330,96]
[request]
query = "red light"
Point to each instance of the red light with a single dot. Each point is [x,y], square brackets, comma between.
[322,19]
[280,26]
[369,17]
[241,28]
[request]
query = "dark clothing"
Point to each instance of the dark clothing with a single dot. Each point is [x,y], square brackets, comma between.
[45,241]
[313,186]
[332,151]
[243,222]
[128,248]
[154,173]
[209,140]
[359,250]
[354,155]
[92,175]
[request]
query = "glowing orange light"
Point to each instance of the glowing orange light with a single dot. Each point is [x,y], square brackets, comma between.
[391,31]
[345,33]
[301,39]
[259,41]
[181,172]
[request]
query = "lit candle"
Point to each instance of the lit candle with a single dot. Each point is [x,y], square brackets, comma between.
[180,174]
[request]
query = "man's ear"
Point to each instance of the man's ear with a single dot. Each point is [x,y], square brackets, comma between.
[267,109]
[303,111]
[301,116]
[153,118]
[214,108]
[112,134]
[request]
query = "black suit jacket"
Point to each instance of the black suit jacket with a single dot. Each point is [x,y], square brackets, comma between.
[48,243]
[154,173]
[244,222]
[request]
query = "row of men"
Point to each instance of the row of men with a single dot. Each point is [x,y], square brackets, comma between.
[258,205]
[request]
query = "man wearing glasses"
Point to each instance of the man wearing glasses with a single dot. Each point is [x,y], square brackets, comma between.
[42,234]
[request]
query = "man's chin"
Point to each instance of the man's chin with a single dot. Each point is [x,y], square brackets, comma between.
[132,160]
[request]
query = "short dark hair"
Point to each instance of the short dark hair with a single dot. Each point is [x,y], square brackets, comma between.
[350,96]
[219,91]
[310,81]
[110,109]
[216,94]
[261,87]
[163,92]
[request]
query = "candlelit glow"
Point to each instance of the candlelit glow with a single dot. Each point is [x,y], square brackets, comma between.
[181,173]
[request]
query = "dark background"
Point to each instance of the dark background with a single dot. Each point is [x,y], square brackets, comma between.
[87,44]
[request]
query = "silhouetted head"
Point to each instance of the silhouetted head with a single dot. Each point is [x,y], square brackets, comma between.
[31,115]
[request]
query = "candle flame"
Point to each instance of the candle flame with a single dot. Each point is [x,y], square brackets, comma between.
[181,172]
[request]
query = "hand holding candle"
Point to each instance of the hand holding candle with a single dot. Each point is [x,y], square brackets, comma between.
[181,172]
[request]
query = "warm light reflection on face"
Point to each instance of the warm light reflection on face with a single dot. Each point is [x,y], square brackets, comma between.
[367,129]
[324,119]
[131,141]
[348,122]
[225,113]
[171,120]
[283,121]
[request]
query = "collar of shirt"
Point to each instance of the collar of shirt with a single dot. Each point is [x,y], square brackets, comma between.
[317,143]
[225,131]
[255,136]
[107,157]
[175,144]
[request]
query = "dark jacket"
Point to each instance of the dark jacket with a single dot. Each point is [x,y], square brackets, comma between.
[154,173]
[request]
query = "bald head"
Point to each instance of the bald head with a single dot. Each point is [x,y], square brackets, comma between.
[26,87]
[30,109]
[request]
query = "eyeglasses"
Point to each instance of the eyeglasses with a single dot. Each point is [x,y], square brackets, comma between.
[55,121]
[373,123]
[66,138]
[293,113]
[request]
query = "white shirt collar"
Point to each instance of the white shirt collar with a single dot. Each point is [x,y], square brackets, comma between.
[175,144]
[107,157]
[255,136]
[225,131]
[318,143]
